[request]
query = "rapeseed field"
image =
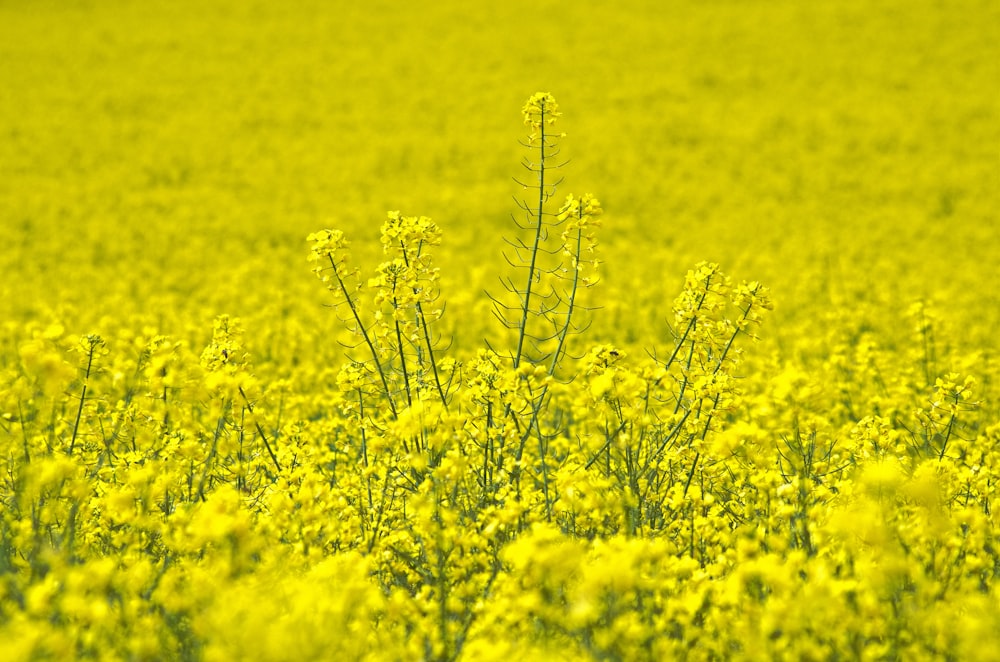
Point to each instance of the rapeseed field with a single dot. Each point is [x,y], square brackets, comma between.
[528,330]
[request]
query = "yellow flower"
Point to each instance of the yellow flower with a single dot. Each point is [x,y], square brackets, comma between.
[540,110]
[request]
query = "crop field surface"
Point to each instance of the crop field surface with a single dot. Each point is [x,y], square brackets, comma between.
[493,331]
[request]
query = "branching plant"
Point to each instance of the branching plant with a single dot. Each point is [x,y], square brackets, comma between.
[509,407]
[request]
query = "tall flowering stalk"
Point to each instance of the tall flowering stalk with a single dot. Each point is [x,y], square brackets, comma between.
[580,218]
[540,307]
[554,255]
[398,333]
[406,300]
[329,252]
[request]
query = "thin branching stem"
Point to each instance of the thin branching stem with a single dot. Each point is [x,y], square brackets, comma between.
[260,430]
[538,214]
[364,334]
[92,347]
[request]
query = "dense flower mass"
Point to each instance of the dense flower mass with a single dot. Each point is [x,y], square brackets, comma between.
[611,448]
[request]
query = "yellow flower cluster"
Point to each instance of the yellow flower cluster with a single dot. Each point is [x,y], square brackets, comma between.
[540,112]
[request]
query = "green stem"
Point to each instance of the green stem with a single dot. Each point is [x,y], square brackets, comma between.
[260,430]
[367,338]
[564,332]
[83,397]
[532,267]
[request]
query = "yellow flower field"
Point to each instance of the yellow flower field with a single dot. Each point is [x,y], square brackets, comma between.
[525,330]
